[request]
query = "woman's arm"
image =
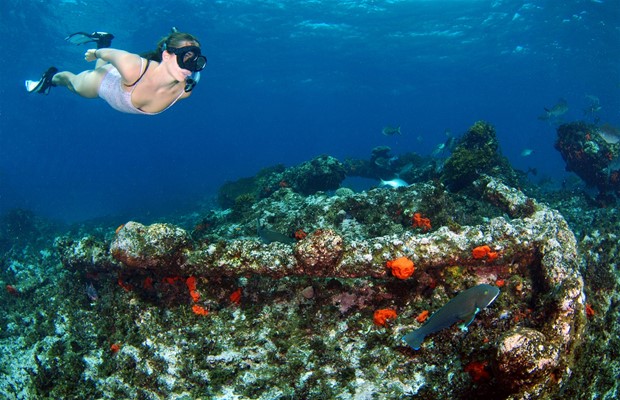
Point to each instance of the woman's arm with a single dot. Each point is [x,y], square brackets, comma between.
[127,64]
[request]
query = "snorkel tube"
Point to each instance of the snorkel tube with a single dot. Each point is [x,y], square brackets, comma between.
[191,81]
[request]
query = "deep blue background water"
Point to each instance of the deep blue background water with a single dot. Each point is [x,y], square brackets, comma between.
[287,81]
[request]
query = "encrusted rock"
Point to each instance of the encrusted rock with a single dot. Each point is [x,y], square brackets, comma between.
[320,174]
[87,254]
[153,246]
[320,252]
[537,265]
[515,202]
[588,154]
[523,358]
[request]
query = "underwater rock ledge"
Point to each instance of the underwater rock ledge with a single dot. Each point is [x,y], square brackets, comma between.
[527,360]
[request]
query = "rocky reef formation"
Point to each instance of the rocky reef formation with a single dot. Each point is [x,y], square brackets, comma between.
[323,173]
[526,339]
[274,296]
[410,167]
[591,152]
[476,153]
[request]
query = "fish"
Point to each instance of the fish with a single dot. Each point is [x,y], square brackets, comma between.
[269,236]
[609,133]
[463,307]
[394,183]
[526,152]
[406,169]
[448,145]
[391,130]
[91,292]
[593,107]
[438,150]
[386,163]
[555,112]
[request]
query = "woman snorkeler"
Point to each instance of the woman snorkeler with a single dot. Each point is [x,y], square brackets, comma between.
[137,84]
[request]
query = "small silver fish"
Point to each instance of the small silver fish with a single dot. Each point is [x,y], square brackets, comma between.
[391,130]
[463,307]
[526,152]
[394,183]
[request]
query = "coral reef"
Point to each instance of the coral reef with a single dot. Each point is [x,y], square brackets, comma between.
[202,307]
[537,253]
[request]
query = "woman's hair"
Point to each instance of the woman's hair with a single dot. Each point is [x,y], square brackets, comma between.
[174,39]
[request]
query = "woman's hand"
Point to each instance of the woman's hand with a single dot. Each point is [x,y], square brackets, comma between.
[90,55]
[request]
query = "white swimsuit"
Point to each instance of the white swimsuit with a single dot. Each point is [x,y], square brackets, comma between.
[111,90]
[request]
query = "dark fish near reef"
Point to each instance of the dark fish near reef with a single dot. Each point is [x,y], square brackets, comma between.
[406,169]
[463,307]
[91,292]
[269,236]
[391,130]
[555,112]
[448,145]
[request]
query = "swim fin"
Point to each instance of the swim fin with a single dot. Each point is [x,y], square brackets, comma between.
[103,39]
[44,84]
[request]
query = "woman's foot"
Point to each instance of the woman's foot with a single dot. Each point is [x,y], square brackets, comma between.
[44,84]
[103,39]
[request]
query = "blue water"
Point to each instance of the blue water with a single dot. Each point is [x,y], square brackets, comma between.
[287,81]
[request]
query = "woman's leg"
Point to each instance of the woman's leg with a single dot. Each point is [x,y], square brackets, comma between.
[86,83]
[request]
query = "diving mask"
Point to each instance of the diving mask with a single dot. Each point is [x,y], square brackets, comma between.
[189,57]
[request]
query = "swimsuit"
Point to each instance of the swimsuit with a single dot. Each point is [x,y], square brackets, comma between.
[111,90]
